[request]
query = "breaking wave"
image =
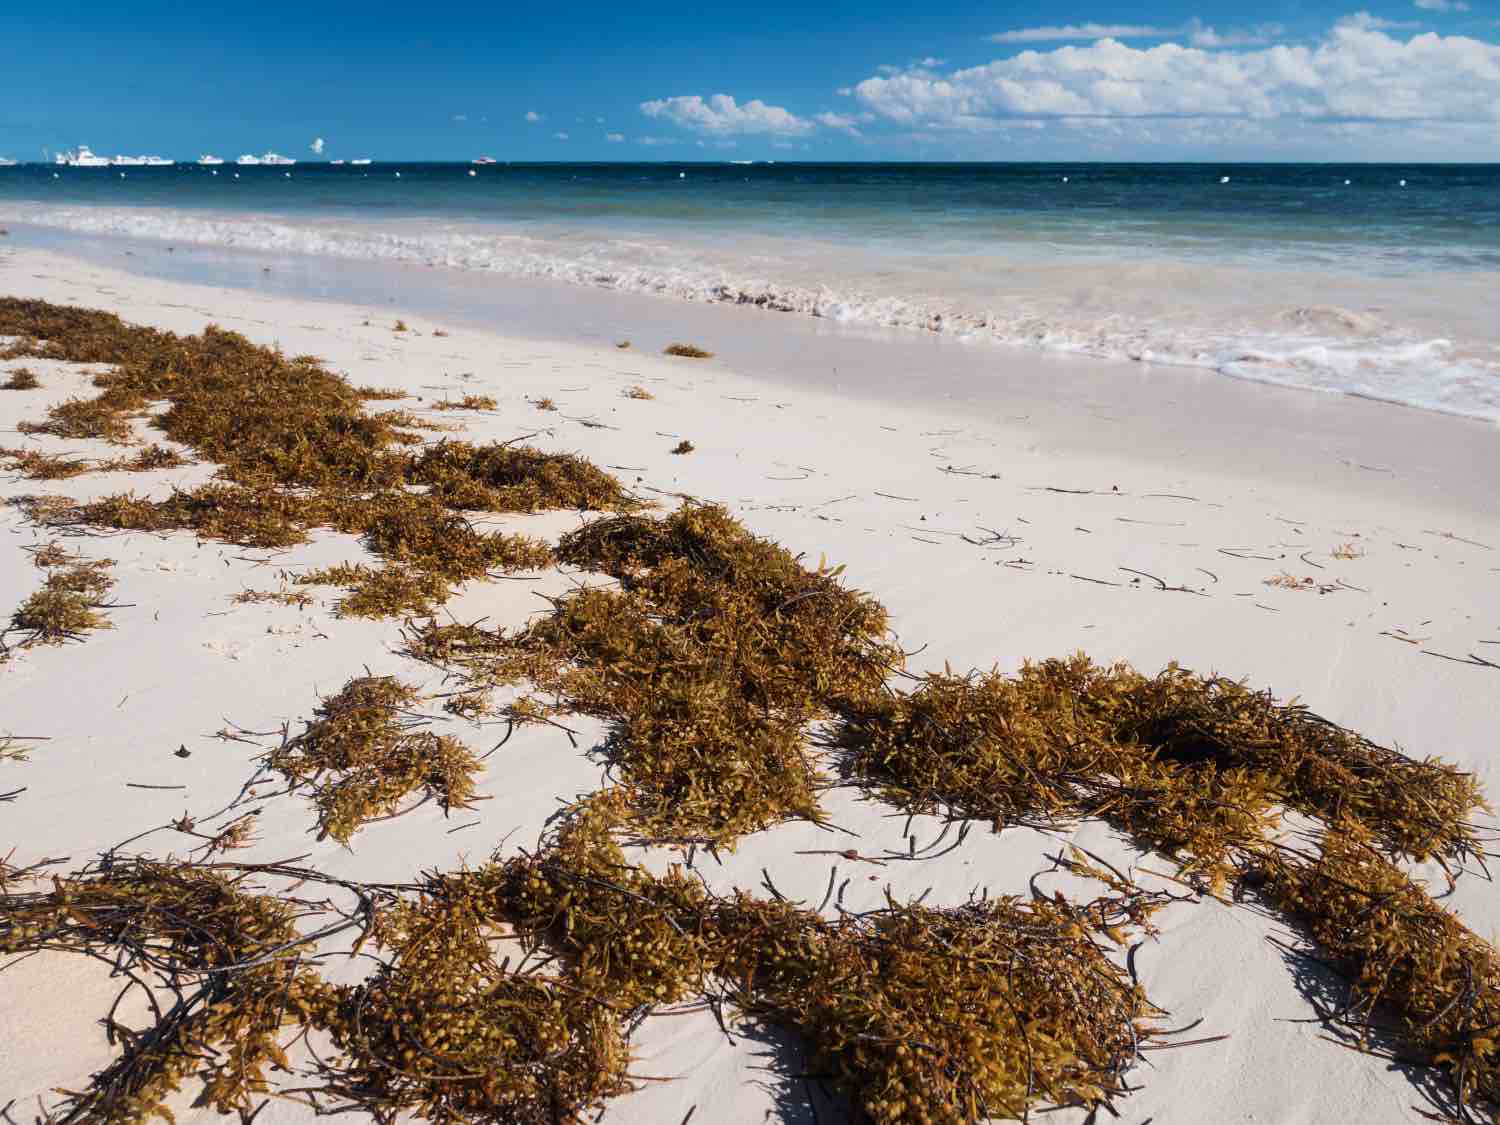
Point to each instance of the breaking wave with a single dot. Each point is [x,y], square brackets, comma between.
[1326,347]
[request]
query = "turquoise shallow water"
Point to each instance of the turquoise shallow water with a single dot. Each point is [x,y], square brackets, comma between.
[1364,279]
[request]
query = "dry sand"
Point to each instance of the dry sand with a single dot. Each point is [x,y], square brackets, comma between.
[988,544]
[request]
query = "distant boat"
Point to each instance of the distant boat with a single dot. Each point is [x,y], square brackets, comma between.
[248,159]
[485,160]
[277,159]
[127,161]
[7,162]
[207,159]
[82,157]
[159,162]
[362,160]
[335,162]
[742,162]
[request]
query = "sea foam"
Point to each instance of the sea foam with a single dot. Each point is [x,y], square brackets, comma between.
[1167,316]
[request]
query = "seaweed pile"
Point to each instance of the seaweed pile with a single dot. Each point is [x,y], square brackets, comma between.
[1416,974]
[925,1014]
[1199,769]
[225,957]
[446,1031]
[739,683]
[711,658]
[297,449]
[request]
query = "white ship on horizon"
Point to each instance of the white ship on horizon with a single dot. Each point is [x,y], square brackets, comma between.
[485,160]
[362,160]
[246,158]
[277,159]
[7,162]
[331,162]
[82,157]
[208,158]
[123,161]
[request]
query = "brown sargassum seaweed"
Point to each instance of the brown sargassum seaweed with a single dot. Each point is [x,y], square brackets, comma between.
[711,658]
[66,608]
[216,955]
[739,683]
[365,752]
[297,450]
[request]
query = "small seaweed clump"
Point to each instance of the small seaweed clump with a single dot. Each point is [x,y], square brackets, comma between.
[223,953]
[106,417]
[638,392]
[631,937]
[362,756]
[33,464]
[468,402]
[276,597]
[36,465]
[21,379]
[150,458]
[1402,953]
[686,351]
[66,607]
[683,446]
[443,1031]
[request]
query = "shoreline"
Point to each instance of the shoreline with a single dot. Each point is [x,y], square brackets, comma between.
[887,483]
[1418,338]
[1078,405]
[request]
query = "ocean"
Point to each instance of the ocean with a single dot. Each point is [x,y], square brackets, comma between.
[1373,280]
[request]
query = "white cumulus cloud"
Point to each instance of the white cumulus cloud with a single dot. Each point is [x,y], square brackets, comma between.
[1356,73]
[533,116]
[559,136]
[317,145]
[1059,33]
[615,138]
[1442,5]
[1201,35]
[1195,31]
[722,115]
[1364,21]
[840,121]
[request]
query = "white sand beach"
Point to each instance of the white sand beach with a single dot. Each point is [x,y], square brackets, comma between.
[1336,550]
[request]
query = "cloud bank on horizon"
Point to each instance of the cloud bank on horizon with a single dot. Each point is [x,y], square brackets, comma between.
[1361,81]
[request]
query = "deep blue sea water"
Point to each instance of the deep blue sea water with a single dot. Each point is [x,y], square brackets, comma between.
[1367,279]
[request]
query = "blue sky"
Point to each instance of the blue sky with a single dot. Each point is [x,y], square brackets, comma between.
[835,80]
